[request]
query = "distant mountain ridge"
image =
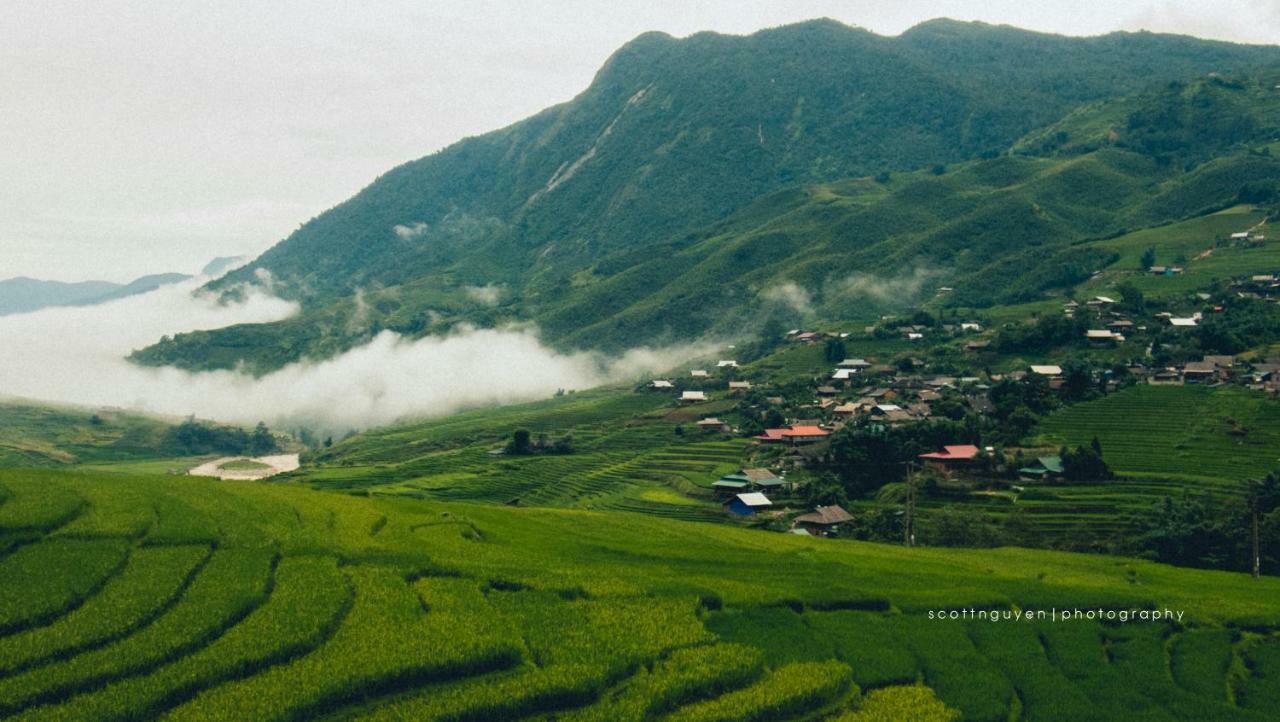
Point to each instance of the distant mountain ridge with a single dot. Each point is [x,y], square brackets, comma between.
[24,295]
[671,139]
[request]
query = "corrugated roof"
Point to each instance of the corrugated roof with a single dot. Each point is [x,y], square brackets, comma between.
[826,515]
[754,498]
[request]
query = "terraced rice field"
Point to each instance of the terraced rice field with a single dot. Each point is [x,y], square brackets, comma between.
[181,598]
[1217,438]
[626,457]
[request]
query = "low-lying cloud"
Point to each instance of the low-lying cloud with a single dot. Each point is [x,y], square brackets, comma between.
[77,356]
[487,295]
[791,295]
[409,232]
[900,289]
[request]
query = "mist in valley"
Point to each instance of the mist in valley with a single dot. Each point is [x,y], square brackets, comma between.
[78,356]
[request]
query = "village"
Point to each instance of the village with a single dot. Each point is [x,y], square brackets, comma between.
[967,376]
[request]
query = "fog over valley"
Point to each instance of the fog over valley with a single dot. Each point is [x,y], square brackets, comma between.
[78,356]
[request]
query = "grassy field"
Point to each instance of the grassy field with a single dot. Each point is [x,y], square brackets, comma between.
[243,465]
[626,456]
[190,599]
[1196,246]
[43,435]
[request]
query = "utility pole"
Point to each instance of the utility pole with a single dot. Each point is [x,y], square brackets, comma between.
[911,508]
[1255,500]
[1257,553]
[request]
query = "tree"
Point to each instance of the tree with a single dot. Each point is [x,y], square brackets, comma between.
[1148,258]
[835,350]
[520,443]
[1131,297]
[262,442]
[1085,463]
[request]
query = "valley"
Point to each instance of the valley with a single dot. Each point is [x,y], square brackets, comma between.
[812,374]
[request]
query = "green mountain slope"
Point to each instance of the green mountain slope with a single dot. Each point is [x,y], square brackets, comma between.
[629,181]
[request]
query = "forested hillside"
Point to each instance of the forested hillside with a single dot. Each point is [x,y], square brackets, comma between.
[628,184]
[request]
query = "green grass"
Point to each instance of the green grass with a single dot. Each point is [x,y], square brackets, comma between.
[626,457]
[47,436]
[243,465]
[395,608]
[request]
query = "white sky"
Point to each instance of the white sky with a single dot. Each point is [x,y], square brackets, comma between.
[151,135]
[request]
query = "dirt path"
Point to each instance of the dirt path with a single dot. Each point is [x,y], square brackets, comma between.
[278,464]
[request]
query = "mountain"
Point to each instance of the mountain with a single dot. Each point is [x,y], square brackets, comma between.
[23,295]
[145,284]
[222,264]
[607,196]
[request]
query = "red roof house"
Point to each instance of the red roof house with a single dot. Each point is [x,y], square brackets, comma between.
[804,434]
[772,435]
[966,452]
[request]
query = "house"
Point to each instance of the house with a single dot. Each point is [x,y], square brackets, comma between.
[661,384]
[713,424]
[982,404]
[808,337]
[1222,361]
[1103,337]
[748,503]
[797,435]
[970,327]
[772,436]
[735,386]
[1199,372]
[1165,377]
[843,374]
[846,409]
[951,456]
[853,363]
[1242,235]
[823,520]
[982,345]
[1046,370]
[1120,326]
[1045,467]
[727,364]
[732,484]
[827,391]
[1183,322]
[698,373]
[693,396]
[764,479]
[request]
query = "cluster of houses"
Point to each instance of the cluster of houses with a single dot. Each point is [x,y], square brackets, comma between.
[858,388]
[1261,375]
[694,396]
[1259,285]
[911,332]
[745,494]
